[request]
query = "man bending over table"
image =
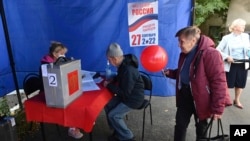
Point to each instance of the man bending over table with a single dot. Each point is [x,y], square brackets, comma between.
[128,90]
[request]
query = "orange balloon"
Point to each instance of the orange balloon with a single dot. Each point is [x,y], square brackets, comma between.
[154,58]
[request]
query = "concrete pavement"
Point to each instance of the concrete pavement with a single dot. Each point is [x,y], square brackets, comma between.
[163,109]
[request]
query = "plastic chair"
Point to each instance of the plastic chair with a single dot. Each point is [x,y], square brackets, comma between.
[31,83]
[147,101]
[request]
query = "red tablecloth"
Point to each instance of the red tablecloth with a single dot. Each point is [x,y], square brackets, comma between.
[81,113]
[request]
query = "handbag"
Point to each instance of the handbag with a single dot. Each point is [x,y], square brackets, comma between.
[218,137]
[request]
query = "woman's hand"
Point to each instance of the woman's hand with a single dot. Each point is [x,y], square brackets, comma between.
[230,59]
[166,72]
[216,116]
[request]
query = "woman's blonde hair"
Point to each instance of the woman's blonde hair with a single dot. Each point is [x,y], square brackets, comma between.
[55,47]
[236,22]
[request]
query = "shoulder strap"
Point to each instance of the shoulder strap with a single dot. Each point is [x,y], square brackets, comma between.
[197,61]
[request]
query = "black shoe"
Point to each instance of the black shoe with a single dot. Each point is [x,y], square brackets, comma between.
[113,137]
[133,139]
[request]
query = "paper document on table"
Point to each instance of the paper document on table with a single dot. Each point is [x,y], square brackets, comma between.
[98,80]
[88,83]
[86,77]
[92,73]
[89,86]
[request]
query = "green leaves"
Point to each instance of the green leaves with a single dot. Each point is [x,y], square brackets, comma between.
[206,8]
[4,107]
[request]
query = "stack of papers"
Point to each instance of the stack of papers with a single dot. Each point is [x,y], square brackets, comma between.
[88,83]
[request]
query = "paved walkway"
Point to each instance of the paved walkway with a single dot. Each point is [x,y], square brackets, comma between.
[163,122]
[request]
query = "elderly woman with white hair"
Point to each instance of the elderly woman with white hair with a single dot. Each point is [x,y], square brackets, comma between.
[233,47]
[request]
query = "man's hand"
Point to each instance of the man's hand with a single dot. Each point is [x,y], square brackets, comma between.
[105,83]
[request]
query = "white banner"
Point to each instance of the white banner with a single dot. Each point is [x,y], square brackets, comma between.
[143,23]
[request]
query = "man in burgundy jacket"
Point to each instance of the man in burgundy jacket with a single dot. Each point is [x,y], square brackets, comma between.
[201,87]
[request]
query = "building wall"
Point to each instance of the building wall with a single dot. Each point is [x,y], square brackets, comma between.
[211,22]
[239,9]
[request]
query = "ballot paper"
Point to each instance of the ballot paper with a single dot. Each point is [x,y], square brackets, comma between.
[88,83]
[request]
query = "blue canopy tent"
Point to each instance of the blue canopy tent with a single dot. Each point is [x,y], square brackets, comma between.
[86,28]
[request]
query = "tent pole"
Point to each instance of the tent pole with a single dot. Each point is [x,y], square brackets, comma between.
[193,13]
[12,63]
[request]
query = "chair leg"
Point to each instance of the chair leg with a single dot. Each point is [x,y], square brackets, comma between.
[151,114]
[143,124]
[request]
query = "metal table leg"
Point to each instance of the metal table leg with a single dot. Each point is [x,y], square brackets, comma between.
[90,136]
[42,130]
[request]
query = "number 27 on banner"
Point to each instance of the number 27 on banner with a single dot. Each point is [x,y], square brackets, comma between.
[139,39]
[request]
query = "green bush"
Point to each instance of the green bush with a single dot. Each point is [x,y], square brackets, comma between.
[23,127]
[4,107]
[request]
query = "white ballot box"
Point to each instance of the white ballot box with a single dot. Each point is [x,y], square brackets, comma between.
[62,83]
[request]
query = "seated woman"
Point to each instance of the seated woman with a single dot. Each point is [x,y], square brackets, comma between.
[57,50]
